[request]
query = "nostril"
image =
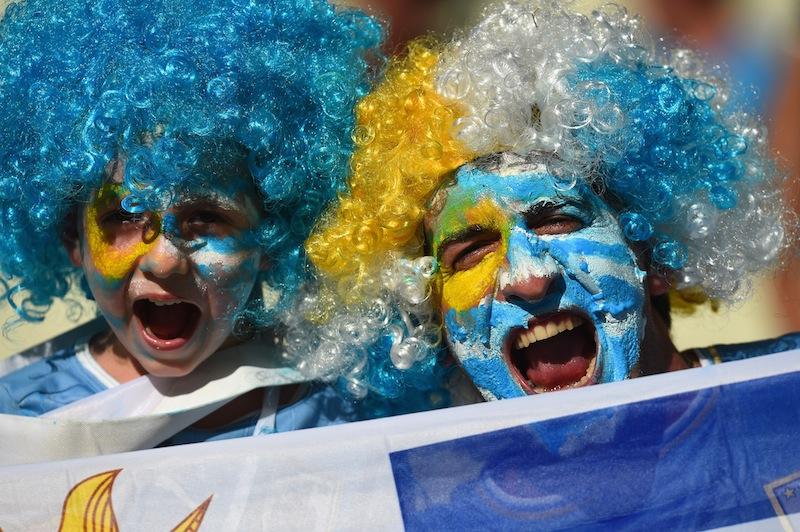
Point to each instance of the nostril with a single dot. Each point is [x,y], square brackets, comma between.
[164,258]
[532,287]
[530,295]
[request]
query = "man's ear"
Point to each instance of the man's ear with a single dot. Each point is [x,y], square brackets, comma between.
[264,264]
[70,238]
[657,284]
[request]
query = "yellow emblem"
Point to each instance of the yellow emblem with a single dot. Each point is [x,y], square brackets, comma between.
[88,507]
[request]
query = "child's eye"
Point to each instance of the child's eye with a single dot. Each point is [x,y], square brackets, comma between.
[121,217]
[207,222]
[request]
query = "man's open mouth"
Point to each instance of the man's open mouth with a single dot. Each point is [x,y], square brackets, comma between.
[166,324]
[555,352]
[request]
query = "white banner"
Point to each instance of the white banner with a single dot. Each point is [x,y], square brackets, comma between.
[436,469]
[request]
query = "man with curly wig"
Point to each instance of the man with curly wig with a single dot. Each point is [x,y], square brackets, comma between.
[538,186]
[170,158]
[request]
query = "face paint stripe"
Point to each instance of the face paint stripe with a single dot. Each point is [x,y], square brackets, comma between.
[111,262]
[463,290]
[593,269]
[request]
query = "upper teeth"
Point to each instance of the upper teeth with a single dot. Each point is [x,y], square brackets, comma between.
[543,331]
[163,303]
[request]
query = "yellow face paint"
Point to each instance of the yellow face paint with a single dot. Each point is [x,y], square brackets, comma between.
[111,259]
[463,290]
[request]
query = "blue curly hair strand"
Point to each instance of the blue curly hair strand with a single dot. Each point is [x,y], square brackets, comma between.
[178,89]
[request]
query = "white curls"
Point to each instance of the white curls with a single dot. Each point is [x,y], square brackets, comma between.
[511,70]
[515,75]
[339,345]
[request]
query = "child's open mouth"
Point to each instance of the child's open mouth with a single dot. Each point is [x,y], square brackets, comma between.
[555,352]
[166,324]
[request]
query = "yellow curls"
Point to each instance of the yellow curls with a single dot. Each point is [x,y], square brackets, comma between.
[111,260]
[404,151]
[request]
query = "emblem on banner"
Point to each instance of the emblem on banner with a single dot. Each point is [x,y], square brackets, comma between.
[784,494]
[88,506]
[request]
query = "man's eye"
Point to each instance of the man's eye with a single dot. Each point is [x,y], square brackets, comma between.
[474,255]
[463,255]
[556,224]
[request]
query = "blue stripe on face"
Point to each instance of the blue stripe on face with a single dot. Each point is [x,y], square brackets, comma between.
[595,274]
[582,246]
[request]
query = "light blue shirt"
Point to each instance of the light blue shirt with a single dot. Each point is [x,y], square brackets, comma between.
[63,378]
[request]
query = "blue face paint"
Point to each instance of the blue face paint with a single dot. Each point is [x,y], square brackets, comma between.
[561,283]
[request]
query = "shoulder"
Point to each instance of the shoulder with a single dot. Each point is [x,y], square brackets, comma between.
[47,384]
[716,354]
[322,405]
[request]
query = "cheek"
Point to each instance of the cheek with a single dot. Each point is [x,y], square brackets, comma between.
[112,260]
[227,271]
[468,326]
[108,294]
[466,289]
[603,276]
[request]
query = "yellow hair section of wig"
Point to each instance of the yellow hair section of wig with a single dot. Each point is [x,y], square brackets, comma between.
[404,151]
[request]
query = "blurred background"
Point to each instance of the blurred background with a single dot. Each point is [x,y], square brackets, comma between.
[758,40]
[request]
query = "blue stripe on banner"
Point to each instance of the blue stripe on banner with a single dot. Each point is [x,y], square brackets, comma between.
[715,457]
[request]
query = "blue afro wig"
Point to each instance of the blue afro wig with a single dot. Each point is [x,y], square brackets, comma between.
[178,88]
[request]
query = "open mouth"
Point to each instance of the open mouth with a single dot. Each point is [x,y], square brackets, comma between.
[166,324]
[555,352]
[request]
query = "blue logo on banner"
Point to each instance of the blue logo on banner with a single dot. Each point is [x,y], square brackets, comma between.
[705,459]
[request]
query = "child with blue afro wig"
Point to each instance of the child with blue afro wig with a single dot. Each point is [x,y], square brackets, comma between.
[169,157]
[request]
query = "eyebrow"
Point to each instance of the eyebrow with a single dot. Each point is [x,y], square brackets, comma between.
[543,207]
[249,214]
[211,199]
[461,235]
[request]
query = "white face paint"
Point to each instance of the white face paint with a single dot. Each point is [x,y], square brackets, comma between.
[540,291]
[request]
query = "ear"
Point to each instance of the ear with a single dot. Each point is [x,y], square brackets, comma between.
[657,284]
[264,263]
[70,238]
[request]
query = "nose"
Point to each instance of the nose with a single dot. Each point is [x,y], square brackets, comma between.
[164,259]
[530,271]
[532,288]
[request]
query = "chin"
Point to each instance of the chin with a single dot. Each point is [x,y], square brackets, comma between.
[158,367]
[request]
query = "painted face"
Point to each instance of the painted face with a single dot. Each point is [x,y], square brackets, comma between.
[170,282]
[539,290]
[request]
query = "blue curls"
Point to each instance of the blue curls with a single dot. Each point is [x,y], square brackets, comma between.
[672,145]
[180,89]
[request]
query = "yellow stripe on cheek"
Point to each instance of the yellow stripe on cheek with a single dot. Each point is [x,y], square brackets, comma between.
[465,289]
[110,261]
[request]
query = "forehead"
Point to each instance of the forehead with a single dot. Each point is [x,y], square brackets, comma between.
[231,188]
[514,189]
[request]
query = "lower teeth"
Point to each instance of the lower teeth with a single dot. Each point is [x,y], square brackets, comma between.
[585,379]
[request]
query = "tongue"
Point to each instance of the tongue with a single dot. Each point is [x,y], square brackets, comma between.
[559,361]
[169,321]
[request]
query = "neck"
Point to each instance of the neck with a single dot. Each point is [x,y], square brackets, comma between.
[658,354]
[114,358]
